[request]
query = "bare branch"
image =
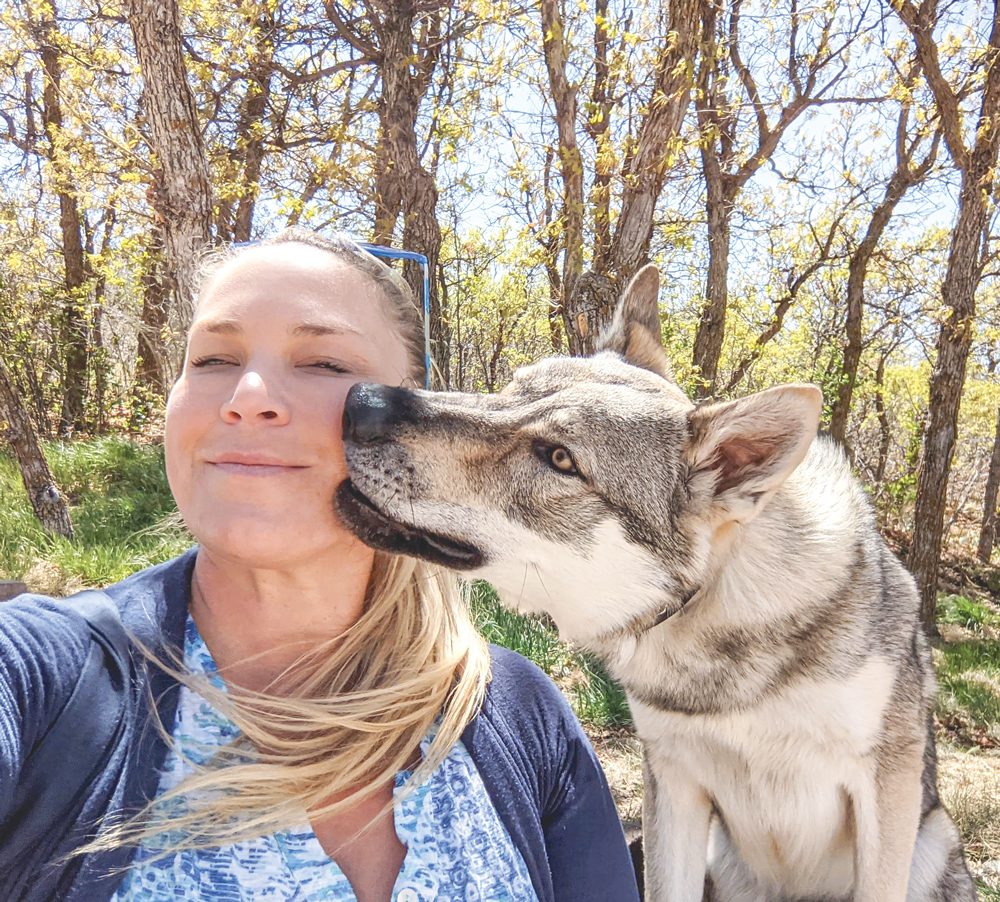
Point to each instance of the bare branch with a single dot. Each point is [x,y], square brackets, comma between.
[921,26]
[367,49]
[749,85]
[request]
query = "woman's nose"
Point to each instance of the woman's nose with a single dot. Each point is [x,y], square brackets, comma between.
[253,400]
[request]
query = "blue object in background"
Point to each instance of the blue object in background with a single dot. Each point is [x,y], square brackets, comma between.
[377,250]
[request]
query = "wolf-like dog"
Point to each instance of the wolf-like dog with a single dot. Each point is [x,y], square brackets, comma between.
[726,566]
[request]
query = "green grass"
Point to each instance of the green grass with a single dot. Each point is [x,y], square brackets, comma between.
[969,689]
[966,612]
[122,512]
[533,637]
[968,671]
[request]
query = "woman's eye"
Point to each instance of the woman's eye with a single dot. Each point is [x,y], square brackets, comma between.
[211,361]
[563,461]
[330,366]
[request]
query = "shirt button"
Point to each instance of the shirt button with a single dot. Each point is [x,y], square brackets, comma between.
[408,895]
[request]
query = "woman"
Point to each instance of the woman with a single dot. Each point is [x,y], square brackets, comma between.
[317,676]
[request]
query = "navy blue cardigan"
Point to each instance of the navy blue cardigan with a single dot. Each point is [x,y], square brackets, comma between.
[535,761]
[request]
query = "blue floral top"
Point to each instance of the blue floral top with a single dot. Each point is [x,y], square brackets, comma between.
[458,850]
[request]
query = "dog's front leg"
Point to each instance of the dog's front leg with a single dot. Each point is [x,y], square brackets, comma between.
[887,817]
[675,819]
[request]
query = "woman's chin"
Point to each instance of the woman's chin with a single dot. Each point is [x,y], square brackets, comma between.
[269,543]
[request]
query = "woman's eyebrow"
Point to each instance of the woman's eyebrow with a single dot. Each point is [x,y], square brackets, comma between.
[221,327]
[311,329]
[234,327]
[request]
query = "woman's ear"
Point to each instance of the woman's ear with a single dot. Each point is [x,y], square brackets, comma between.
[746,449]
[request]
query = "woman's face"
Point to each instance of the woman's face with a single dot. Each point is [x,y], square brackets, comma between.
[254,448]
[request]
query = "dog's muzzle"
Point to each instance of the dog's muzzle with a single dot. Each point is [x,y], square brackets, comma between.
[384,533]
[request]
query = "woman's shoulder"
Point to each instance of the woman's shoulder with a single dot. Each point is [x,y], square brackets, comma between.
[547,785]
[44,641]
[40,637]
[525,713]
[44,646]
[153,603]
[517,682]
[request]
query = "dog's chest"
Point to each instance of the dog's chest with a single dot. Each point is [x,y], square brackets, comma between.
[781,774]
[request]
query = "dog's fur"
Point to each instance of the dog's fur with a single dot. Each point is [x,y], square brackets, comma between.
[727,569]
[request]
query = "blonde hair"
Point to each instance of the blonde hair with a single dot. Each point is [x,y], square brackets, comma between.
[348,715]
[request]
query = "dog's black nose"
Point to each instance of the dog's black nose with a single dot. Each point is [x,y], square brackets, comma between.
[373,412]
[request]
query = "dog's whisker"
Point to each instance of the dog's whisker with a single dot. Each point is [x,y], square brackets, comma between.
[541,581]
[524,582]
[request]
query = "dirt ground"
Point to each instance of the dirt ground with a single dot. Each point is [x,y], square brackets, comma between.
[970,788]
[969,783]
[621,758]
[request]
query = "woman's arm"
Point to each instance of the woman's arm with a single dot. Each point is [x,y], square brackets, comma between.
[548,787]
[43,648]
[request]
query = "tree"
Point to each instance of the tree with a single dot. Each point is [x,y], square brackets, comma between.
[728,93]
[589,294]
[821,249]
[973,153]
[46,500]
[181,192]
[988,532]
[907,173]
[404,41]
[41,25]
[247,152]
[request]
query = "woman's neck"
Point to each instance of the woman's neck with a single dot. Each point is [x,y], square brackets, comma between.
[256,622]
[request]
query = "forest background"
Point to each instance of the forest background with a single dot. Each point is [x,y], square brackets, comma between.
[815,180]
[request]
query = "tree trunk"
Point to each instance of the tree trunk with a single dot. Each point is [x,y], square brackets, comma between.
[46,501]
[555,305]
[250,134]
[987,535]
[570,159]
[551,243]
[589,300]
[74,323]
[599,129]
[716,142]
[976,163]
[403,184]
[947,380]
[903,178]
[422,233]
[857,271]
[182,192]
[727,164]
[711,328]
[99,355]
[646,170]
[73,327]
[151,365]
[885,433]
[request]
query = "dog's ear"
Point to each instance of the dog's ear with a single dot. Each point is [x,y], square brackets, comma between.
[742,451]
[634,332]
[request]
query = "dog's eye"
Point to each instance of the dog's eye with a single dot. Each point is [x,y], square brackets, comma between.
[562,460]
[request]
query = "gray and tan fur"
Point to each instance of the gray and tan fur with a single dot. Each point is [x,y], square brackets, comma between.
[725,565]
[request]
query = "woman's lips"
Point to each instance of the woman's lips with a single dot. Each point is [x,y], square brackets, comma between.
[254,469]
[253,465]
